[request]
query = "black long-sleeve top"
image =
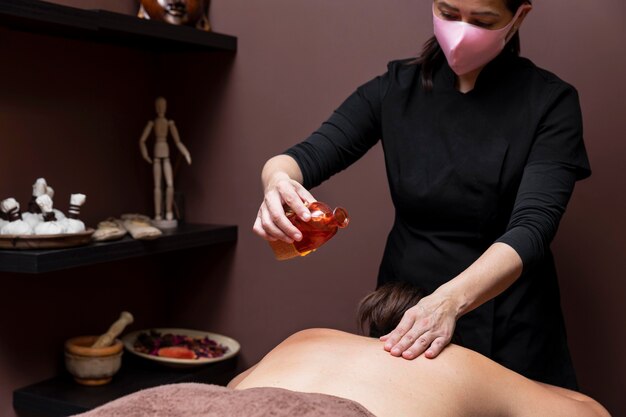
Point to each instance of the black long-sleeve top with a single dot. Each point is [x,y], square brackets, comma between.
[497,164]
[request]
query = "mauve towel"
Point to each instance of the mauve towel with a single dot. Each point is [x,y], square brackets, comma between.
[202,400]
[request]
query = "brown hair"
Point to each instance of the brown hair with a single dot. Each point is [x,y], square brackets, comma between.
[432,56]
[381,311]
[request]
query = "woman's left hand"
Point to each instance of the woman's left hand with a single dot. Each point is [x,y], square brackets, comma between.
[426,327]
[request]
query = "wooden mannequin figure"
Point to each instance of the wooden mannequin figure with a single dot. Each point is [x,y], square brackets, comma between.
[162,166]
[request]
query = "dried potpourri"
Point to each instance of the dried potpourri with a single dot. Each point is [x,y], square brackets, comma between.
[178,346]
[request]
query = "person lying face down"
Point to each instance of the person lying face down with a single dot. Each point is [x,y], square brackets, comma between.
[325,372]
[458,383]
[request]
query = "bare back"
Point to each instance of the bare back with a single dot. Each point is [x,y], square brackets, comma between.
[459,383]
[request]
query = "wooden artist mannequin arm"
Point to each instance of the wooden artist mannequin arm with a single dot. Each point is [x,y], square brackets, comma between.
[142,141]
[179,144]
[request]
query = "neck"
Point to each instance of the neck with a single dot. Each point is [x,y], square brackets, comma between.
[466,82]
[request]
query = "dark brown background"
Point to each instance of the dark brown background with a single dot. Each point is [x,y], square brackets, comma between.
[73,112]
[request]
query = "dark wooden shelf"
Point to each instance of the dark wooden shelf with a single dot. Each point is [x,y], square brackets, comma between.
[108,27]
[61,396]
[184,237]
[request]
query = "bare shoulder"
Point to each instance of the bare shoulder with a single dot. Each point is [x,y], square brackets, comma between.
[321,339]
[321,332]
[511,394]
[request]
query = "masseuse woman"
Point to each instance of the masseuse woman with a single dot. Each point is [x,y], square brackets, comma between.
[482,150]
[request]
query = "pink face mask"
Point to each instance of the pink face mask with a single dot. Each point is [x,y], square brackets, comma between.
[468,47]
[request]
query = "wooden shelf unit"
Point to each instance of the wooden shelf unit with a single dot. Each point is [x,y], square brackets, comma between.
[108,27]
[61,396]
[184,237]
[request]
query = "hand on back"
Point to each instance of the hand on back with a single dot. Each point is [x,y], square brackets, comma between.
[425,328]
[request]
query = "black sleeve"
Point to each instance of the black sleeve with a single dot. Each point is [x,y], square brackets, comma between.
[345,137]
[556,160]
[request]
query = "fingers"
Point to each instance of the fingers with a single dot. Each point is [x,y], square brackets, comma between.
[276,218]
[437,346]
[399,332]
[414,343]
[304,194]
[259,230]
[426,328]
[271,222]
[265,227]
[291,195]
[418,346]
[275,221]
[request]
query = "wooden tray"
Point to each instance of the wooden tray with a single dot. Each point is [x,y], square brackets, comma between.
[45,241]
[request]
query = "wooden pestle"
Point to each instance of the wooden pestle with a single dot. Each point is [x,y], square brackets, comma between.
[116,328]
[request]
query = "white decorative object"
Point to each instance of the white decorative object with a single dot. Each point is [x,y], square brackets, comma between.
[33,216]
[16,225]
[33,219]
[39,188]
[57,213]
[72,223]
[50,226]
[162,167]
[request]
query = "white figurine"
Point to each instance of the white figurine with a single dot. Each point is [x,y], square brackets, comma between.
[71,223]
[162,166]
[50,225]
[16,225]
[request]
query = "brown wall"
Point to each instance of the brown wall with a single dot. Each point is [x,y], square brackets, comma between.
[296,62]
[565,37]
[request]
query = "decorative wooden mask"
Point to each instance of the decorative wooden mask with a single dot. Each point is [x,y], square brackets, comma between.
[176,12]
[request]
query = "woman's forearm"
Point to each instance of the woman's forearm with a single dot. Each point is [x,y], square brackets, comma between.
[497,268]
[428,326]
[280,165]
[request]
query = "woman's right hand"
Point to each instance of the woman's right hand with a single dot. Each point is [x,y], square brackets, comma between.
[271,222]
